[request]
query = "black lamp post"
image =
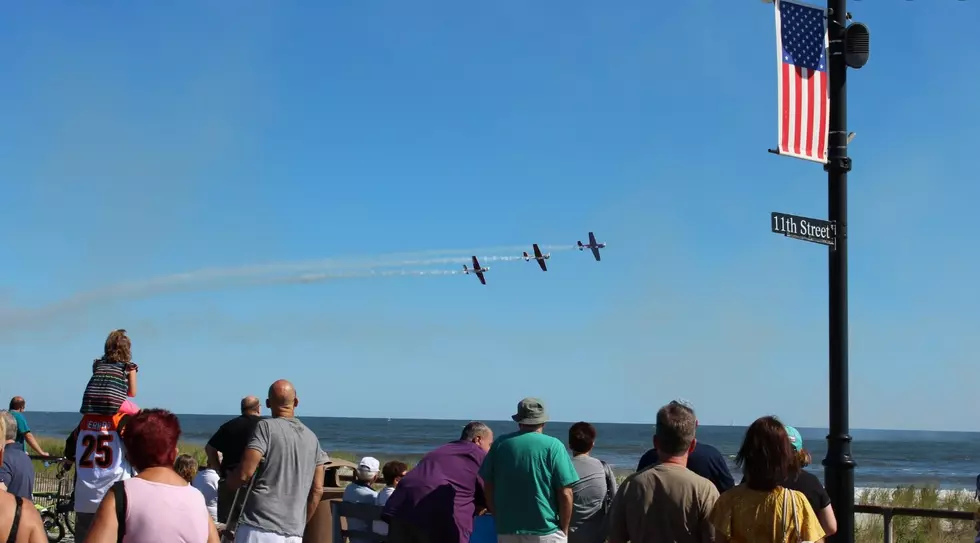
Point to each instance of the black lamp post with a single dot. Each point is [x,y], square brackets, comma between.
[849,47]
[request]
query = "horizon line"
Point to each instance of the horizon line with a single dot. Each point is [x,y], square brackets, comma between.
[464,420]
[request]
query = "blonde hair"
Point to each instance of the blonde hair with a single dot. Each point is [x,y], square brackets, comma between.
[186,467]
[3,426]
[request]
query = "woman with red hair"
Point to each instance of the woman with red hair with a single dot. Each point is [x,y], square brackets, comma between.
[157,504]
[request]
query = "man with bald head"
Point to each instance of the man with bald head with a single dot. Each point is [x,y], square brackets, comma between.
[226,447]
[287,488]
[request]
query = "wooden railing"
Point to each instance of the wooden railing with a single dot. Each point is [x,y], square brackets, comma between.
[47,488]
[888,514]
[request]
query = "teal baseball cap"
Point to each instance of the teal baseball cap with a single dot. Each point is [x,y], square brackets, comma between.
[794,438]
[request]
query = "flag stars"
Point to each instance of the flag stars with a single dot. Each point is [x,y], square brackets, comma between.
[802,35]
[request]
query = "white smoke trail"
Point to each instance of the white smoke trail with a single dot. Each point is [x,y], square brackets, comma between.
[557,248]
[320,277]
[264,274]
[21,318]
[416,258]
[209,276]
[497,258]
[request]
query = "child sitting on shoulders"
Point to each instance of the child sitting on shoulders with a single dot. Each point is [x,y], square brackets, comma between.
[113,379]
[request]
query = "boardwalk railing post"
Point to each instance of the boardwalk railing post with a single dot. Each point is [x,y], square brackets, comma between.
[889,529]
[888,514]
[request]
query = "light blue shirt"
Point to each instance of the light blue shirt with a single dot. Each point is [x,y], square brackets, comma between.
[358,493]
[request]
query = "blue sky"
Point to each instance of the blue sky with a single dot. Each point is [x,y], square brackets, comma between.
[145,140]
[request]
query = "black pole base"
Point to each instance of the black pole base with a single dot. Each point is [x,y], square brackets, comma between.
[839,480]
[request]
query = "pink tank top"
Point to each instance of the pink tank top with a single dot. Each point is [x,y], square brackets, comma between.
[164,513]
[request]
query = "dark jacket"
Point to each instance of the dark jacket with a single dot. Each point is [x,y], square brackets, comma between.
[705,460]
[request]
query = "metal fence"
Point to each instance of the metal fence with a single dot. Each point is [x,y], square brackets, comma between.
[888,515]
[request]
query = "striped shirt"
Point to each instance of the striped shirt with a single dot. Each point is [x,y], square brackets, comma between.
[107,389]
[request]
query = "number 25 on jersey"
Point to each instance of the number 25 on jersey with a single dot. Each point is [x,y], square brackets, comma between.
[97,451]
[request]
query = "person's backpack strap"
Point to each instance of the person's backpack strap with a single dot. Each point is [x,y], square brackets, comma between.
[15,525]
[119,492]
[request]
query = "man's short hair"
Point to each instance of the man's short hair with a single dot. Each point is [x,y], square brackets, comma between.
[676,425]
[472,430]
[581,437]
[17,403]
[10,425]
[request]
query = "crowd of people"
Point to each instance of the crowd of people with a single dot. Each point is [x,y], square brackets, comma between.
[535,491]
[133,485]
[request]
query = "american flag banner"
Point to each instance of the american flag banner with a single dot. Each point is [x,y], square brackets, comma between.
[801,43]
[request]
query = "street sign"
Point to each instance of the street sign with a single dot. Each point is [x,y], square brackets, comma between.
[805,228]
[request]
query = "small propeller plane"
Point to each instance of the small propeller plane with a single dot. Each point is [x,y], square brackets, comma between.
[477,270]
[594,245]
[538,256]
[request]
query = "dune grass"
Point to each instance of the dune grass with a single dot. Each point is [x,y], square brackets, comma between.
[869,528]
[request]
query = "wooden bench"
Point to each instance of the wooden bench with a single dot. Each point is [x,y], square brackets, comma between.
[360,511]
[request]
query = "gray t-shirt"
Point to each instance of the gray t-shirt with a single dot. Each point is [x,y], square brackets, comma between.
[588,516]
[292,452]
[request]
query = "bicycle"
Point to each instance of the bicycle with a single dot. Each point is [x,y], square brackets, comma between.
[59,517]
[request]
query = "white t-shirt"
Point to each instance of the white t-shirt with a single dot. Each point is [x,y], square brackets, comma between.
[206,481]
[380,526]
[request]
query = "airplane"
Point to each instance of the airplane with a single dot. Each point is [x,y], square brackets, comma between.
[477,270]
[594,245]
[538,256]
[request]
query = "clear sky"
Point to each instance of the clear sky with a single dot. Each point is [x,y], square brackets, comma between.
[145,139]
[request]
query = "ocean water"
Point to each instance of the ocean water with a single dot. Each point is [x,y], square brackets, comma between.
[885,458]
